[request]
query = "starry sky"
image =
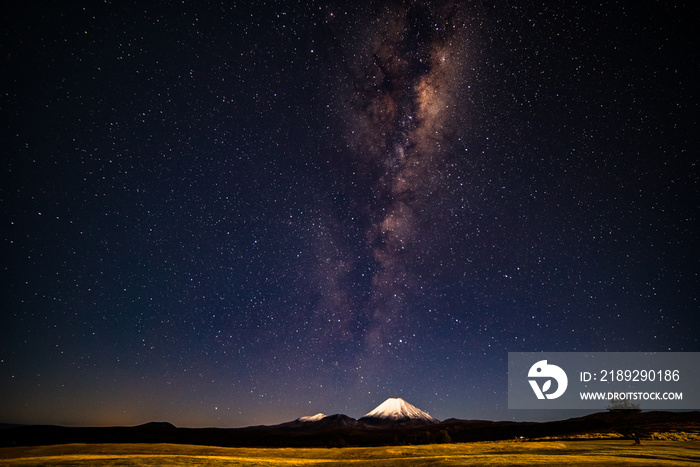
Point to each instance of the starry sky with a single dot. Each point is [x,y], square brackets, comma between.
[220,213]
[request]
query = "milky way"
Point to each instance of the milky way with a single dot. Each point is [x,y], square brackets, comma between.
[409,75]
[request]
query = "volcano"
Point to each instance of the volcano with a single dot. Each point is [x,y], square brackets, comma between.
[312,418]
[398,411]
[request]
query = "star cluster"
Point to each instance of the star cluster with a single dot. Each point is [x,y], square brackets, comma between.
[235,213]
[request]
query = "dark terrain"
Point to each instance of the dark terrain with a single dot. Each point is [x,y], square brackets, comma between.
[340,430]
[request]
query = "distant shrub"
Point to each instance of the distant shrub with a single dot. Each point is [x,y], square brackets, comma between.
[443,437]
[626,416]
[623,404]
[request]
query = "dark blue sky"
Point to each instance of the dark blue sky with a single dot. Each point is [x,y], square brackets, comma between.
[237,213]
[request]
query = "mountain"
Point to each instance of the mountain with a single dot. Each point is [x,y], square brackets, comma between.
[312,418]
[337,422]
[397,411]
[157,426]
[318,423]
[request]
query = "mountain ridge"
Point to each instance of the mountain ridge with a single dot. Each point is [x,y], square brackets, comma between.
[341,430]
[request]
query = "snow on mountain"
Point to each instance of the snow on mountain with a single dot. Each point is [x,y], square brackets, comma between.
[312,418]
[397,409]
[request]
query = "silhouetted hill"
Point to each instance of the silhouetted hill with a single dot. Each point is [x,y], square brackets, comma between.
[8,425]
[383,423]
[157,426]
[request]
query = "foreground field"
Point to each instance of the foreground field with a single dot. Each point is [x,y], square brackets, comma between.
[571,453]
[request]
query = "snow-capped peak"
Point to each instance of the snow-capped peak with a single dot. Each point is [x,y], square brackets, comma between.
[399,409]
[312,418]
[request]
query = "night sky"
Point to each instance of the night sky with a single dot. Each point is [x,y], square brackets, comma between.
[238,213]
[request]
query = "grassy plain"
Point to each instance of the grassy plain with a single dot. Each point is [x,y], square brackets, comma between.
[570,453]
